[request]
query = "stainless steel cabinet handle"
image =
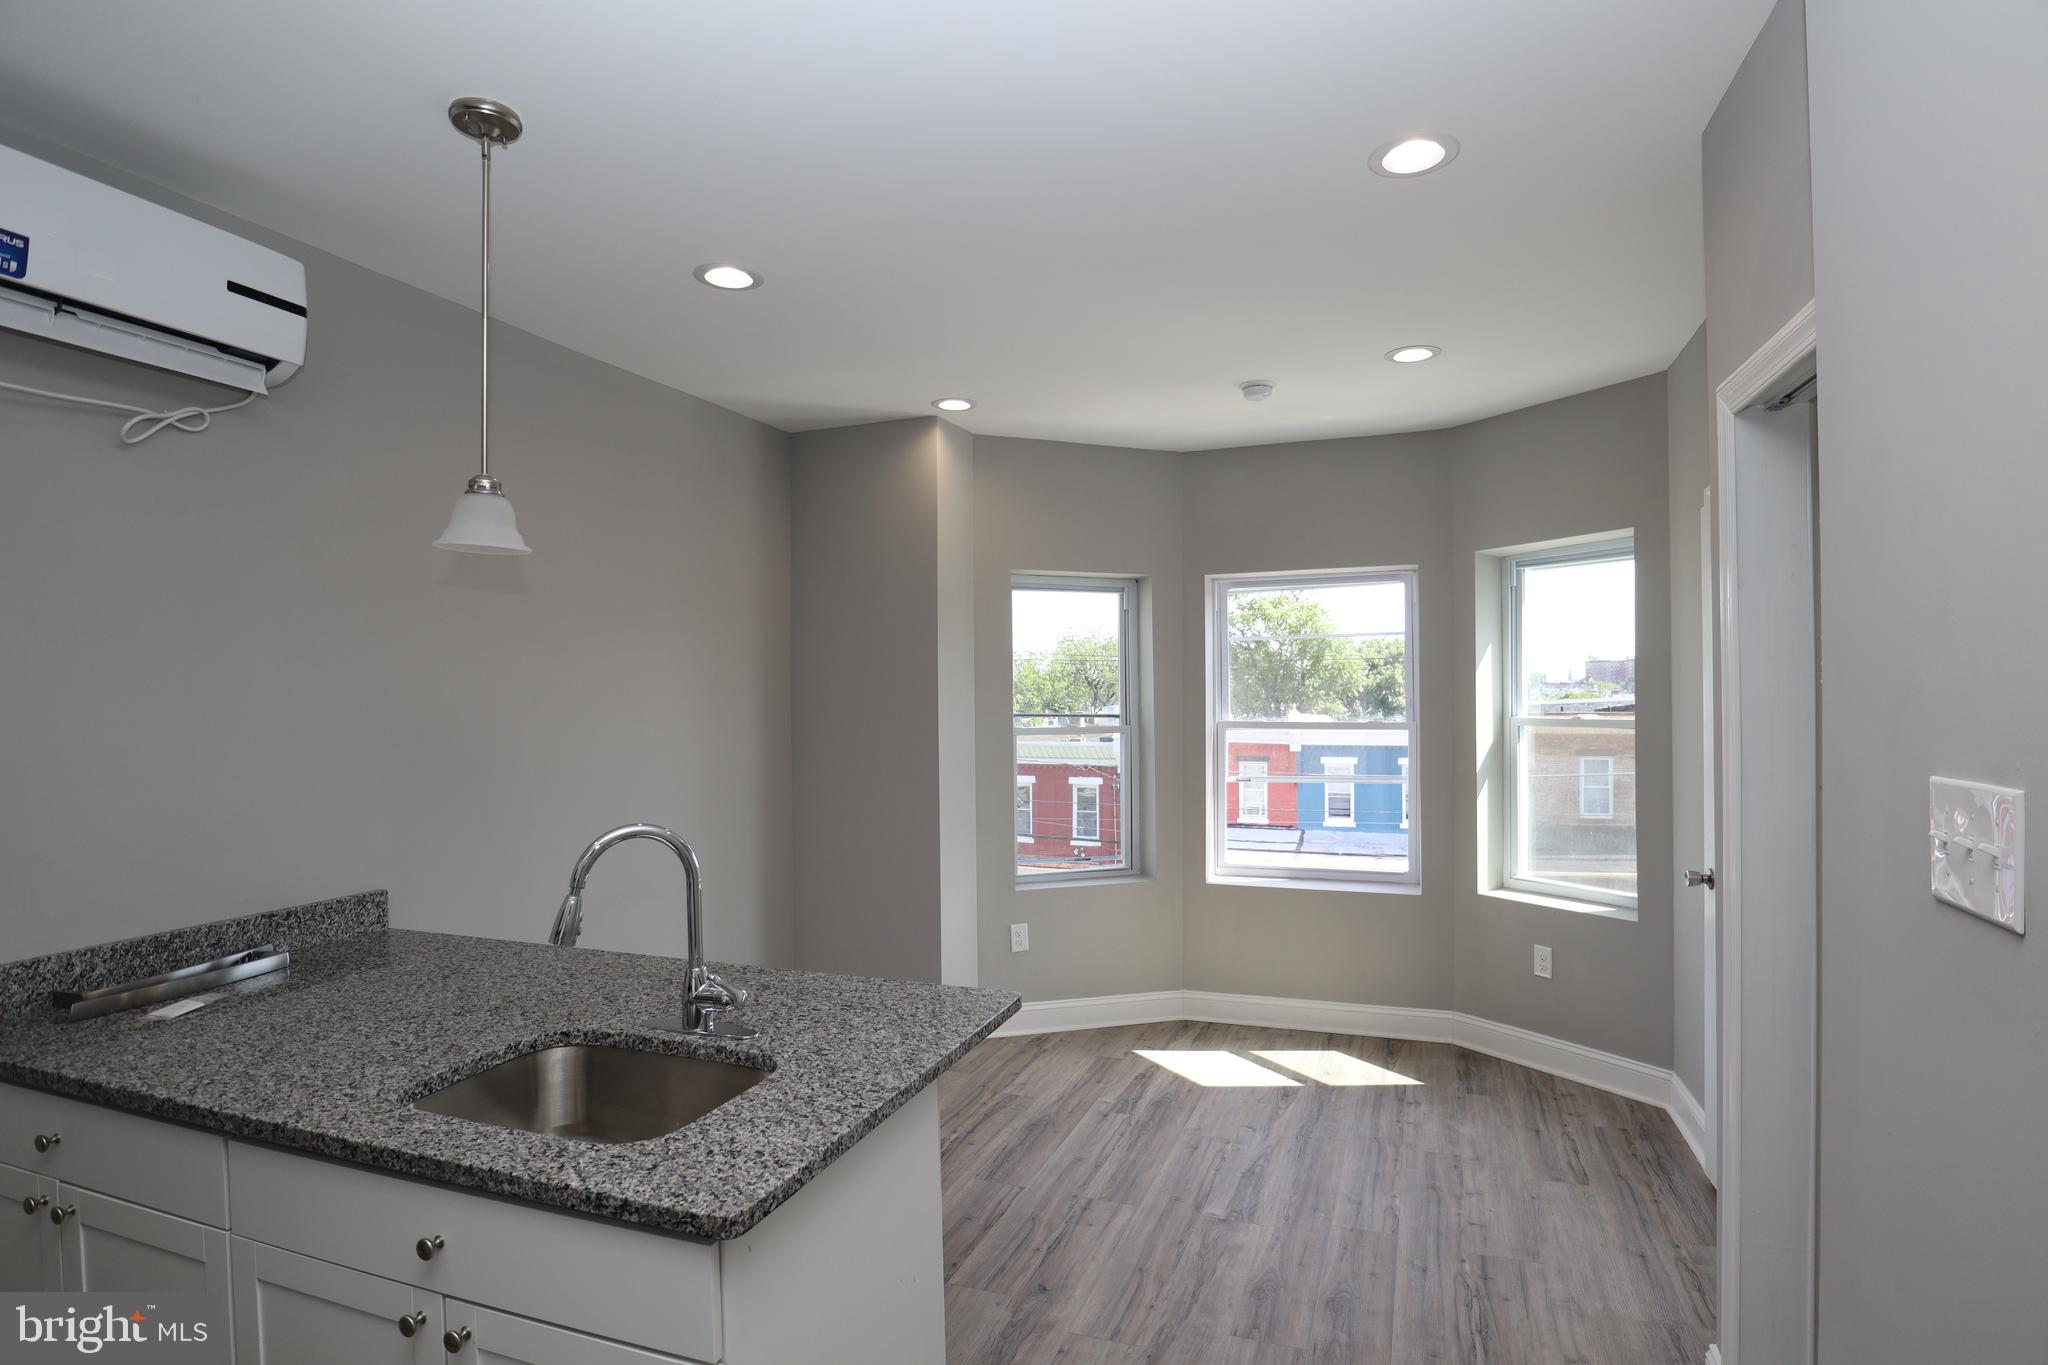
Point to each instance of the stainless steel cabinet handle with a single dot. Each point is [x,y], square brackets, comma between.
[454,1339]
[63,1211]
[45,1141]
[429,1247]
[1705,879]
[32,1202]
[410,1324]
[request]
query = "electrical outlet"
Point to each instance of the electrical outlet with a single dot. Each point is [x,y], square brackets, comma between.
[1543,962]
[1020,938]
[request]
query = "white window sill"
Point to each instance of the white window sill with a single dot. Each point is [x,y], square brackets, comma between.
[1026,839]
[1318,884]
[1080,880]
[1339,822]
[1577,907]
[1086,843]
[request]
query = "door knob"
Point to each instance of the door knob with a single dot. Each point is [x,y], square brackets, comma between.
[1705,879]
[63,1211]
[33,1202]
[409,1325]
[454,1339]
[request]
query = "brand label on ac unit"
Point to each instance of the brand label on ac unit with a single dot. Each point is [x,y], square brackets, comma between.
[13,254]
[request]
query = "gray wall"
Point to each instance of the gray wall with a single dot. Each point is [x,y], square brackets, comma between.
[1575,467]
[1048,506]
[1321,505]
[868,719]
[1928,205]
[1757,197]
[1690,469]
[239,675]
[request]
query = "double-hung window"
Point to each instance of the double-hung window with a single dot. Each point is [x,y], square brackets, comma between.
[1570,723]
[1312,727]
[1073,698]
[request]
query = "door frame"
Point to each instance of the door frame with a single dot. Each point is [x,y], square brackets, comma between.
[1779,361]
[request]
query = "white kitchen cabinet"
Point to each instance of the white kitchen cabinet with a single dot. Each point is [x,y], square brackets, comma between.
[488,1337]
[149,1162]
[294,1310]
[110,1244]
[28,1240]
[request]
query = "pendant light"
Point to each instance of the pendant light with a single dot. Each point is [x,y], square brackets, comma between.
[483,523]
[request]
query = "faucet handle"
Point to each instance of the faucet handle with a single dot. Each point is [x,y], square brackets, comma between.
[715,991]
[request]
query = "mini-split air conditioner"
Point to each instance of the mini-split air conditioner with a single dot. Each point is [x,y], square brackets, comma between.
[90,266]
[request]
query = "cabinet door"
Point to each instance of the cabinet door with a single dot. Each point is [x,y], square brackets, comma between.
[109,1244]
[293,1310]
[495,1338]
[28,1242]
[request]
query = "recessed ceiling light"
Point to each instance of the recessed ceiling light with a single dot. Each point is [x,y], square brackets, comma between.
[1409,355]
[1415,155]
[727,277]
[953,404]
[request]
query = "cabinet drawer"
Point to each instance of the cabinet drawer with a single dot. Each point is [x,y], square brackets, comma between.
[145,1161]
[610,1279]
[502,1339]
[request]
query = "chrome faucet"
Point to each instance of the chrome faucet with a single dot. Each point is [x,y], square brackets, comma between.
[706,998]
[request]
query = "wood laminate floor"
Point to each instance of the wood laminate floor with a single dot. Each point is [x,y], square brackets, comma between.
[1102,1209]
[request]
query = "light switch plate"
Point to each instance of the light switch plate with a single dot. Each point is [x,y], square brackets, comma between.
[1975,834]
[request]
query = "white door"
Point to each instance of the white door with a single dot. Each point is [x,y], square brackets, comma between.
[1769,891]
[28,1240]
[294,1310]
[1710,956]
[110,1244]
[486,1337]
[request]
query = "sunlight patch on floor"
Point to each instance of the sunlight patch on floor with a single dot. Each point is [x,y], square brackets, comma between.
[1218,1069]
[1335,1068]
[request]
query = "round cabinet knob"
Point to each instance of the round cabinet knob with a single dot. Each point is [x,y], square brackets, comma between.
[429,1247]
[33,1202]
[454,1339]
[410,1324]
[45,1141]
[62,1212]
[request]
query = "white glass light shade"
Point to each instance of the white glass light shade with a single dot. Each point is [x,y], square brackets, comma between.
[483,524]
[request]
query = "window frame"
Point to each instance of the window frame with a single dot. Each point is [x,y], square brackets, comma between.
[1217,698]
[1513,721]
[1128,730]
[1027,787]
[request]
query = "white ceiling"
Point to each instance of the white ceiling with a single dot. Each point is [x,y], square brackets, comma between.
[1093,218]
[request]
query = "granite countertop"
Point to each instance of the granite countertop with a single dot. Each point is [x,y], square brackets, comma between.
[329,1056]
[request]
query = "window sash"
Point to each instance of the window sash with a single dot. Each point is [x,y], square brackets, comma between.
[1517,720]
[1026,809]
[1087,811]
[1126,728]
[1221,723]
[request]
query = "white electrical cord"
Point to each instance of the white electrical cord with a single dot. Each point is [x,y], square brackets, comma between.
[184,419]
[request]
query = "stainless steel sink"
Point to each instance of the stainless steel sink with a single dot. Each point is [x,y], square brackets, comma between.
[596,1093]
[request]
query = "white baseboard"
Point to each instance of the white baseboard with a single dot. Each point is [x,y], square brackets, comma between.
[1574,1062]
[1691,1117]
[1097,1011]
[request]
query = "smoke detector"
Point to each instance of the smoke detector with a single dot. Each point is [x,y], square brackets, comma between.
[1255,390]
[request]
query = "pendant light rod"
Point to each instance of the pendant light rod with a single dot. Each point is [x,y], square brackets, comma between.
[484,423]
[490,125]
